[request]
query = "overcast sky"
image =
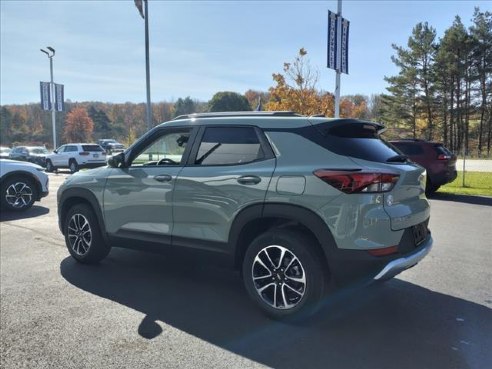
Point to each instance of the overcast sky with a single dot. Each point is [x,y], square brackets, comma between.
[198,48]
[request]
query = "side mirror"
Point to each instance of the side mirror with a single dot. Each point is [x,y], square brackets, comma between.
[55,151]
[117,161]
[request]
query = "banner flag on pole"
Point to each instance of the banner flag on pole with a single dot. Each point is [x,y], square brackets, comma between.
[139,5]
[332,40]
[45,95]
[344,46]
[59,98]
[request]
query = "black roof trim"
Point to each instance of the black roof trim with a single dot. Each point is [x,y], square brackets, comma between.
[239,114]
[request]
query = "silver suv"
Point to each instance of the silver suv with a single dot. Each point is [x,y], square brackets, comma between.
[300,205]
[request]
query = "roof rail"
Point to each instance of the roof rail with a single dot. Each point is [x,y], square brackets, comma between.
[239,114]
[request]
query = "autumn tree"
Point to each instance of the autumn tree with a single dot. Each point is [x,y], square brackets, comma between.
[257,99]
[296,89]
[228,101]
[78,126]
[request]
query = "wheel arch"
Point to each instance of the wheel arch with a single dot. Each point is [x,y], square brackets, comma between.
[74,196]
[22,174]
[257,219]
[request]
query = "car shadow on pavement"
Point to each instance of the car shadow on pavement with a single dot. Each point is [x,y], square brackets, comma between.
[35,211]
[466,199]
[392,325]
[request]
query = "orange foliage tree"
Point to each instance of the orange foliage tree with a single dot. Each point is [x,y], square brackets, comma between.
[296,89]
[78,126]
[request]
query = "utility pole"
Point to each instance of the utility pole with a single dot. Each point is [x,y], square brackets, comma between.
[50,55]
[147,65]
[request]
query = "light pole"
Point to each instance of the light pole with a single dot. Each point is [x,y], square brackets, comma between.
[51,53]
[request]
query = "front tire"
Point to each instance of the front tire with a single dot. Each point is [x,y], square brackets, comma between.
[49,166]
[284,274]
[18,194]
[83,236]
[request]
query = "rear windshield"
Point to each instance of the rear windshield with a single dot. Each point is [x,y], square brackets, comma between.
[357,140]
[440,149]
[38,150]
[92,148]
[409,148]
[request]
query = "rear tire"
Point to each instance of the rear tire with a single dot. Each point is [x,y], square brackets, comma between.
[284,274]
[430,188]
[73,166]
[83,236]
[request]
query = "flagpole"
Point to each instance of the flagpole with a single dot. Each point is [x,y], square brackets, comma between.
[147,66]
[338,62]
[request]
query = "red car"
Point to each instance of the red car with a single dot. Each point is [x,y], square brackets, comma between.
[438,161]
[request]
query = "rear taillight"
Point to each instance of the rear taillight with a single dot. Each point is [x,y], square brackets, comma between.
[84,153]
[357,182]
[443,157]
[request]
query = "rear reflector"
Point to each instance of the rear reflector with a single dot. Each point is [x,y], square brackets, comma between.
[384,251]
[358,182]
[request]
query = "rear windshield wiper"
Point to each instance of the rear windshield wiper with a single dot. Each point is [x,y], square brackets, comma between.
[397,159]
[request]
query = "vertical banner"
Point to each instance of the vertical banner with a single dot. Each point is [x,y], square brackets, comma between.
[59,98]
[332,40]
[344,46]
[45,95]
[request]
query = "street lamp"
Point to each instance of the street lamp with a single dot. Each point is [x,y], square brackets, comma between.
[51,54]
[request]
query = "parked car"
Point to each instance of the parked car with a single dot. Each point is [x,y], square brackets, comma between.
[301,205]
[75,156]
[111,146]
[438,161]
[21,184]
[4,152]
[33,154]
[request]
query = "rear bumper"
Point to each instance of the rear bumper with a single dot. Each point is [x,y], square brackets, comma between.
[443,178]
[399,265]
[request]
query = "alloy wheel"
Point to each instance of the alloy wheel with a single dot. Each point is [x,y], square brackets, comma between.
[19,195]
[278,277]
[79,234]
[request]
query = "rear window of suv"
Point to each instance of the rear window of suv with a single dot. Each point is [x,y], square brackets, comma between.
[358,140]
[92,148]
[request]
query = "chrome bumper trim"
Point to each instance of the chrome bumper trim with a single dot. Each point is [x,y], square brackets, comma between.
[399,265]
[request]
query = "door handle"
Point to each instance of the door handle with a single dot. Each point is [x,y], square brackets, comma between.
[249,180]
[163,178]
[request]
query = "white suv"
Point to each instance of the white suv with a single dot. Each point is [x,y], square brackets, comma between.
[75,156]
[21,184]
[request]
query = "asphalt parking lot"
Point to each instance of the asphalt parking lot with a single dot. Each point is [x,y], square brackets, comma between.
[139,310]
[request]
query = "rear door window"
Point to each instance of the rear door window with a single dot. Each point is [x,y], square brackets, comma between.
[229,146]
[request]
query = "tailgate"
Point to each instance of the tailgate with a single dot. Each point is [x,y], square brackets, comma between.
[406,204]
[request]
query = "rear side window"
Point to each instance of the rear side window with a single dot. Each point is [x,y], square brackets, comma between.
[357,140]
[409,148]
[228,146]
[92,148]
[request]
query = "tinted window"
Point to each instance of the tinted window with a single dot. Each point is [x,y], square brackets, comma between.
[229,145]
[409,148]
[92,148]
[357,140]
[38,150]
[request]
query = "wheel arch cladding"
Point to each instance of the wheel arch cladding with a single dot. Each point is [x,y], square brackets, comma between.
[257,219]
[74,196]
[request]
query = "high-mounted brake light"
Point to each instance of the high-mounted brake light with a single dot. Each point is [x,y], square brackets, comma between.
[358,182]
